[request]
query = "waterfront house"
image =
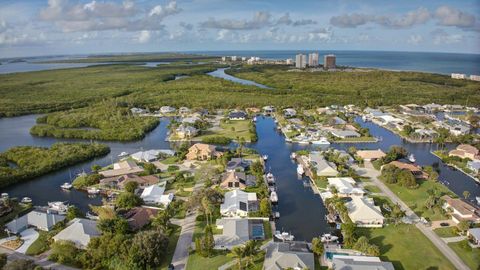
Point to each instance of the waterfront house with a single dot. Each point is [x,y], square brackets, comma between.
[138,217]
[191,120]
[42,220]
[237,231]
[364,213]
[119,182]
[183,110]
[321,166]
[186,132]
[345,186]
[154,194]
[238,203]
[281,256]
[465,151]
[138,111]
[289,112]
[167,109]
[414,169]
[461,210]
[237,115]
[238,164]
[123,167]
[201,151]
[237,180]
[474,166]
[339,121]
[354,262]
[370,155]
[474,237]
[432,107]
[345,134]
[79,231]
[151,155]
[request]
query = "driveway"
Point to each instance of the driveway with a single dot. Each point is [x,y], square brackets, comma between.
[28,236]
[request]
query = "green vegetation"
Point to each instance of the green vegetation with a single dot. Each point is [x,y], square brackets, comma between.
[372,189]
[40,245]
[406,247]
[218,258]
[17,209]
[446,232]
[104,121]
[31,161]
[471,256]
[172,244]
[233,130]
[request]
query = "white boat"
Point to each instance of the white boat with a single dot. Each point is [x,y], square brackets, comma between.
[271,188]
[4,195]
[93,191]
[60,207]
[326,238]
[123,154]
[411,158]
[270,178]
[293,155]
[478,200]
[304,141]
[66,186]
[265,157]
[255,119]
[322,141]
[276,214]
[91,216]
[365,118]
[26,200]
[273,197]
[284,236]
[300,169]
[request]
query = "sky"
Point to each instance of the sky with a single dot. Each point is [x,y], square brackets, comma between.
[54,27]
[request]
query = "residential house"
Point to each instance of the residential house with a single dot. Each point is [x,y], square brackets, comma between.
[237,180]
[119,182]
[123,167]
[237,231]
[167,109]
[151,155]
[138,217]
[238,164]
[370,155]
[79,231]
[289,112]
[354,262]
[281,256]
[465,151]
[432,107]
[461,210]
[474,236]
[201,151]
[186,132]
[345,134]
[339,121]
[237,115]
[191,120]
[238,203]
[414,169]
[474,166]
[321,166]
[364,213]
[154,194]
[183,110]
[42,220]
[138,111]
[345,186]
[268,110]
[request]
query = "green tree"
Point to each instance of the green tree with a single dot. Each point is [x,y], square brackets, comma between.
[198,246]
[238,252]
[265,207]
[407,129]
[150,168]
[20,264]
[64,252]
[361,244]
[207,208]
[74,212]
[406,179]
[463,226]
[162,220]
[397,213]
[3,260]
[348,232]
[251,249]
[317,246]
[208,241]
[96,167]
[466,194]
[128,200]
[131,186]
[148,249]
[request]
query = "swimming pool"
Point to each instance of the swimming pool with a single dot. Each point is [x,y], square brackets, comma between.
[257,232]
[329,255]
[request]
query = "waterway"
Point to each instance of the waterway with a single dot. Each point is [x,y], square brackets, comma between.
[220,73]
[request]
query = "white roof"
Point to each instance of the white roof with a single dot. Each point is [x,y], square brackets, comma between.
[345,185]
[151,155]
[234,198]
[152,193]
[475,232]
[363,209]
[343,262]
[322,166]
[279,256]
[80,231]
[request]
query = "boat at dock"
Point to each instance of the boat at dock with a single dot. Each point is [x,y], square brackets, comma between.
[276,215]
[273,197]
[270,178]
[300,170]
[255,119]
[284,236]
[66,186]
[5,196]
[26,200]
[321,141]
[265,157]
[411,158]
[93,191]
[60,207]
[123,154]
[327,238]
[293,155]
[478,200]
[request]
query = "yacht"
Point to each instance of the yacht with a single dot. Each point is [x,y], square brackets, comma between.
[123,154]
[411,158]
[326,238]
[365,118]
[66,186]
[271,189]
[284,236]
[91,216]
[270,178]
[265,157]
[300,170]
[322,141]
[26,200]
[276,215]
[93,190]
[478,200]
[60,207]
[273,197]
[303,141]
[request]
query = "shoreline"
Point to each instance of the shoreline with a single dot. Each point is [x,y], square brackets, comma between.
[456,167]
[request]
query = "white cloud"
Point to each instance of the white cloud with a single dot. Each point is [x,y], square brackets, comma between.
[442,37]
[449,16]
[414,39]
[144,36]
[260,19]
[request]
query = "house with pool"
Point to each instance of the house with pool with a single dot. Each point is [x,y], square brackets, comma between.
[237,231]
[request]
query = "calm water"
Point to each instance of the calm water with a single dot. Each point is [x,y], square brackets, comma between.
[220,73]
[444,63]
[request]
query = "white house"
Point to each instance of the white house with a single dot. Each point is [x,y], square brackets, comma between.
[167,109]
[289,112]
[281,256]
[355,262]
[151,155]
[79,231]
[154,195]
[184,132]
[238,203]
[364,213]
[235,231]
[321,166]
[345,186]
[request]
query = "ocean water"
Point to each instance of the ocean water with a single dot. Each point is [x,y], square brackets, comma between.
[443,63]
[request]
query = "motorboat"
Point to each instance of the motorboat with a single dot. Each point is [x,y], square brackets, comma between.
[91,216]
[265,157]
[326,238]
[270,178]
[411,158]
[273,197]
[303,141]
[26,200]
[58,206]
[4,196]
[478,200]
[276,215]
[271,189]
[321,141]
[284,236]
[66,186]
[300,170]
[123,154]
[255,119]
[293,155]
[365,118]
[93,191]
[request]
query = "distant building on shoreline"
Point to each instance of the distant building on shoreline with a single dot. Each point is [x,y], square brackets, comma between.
[458,76]
[475,78]
[329,61]
[300,61]
[313,60]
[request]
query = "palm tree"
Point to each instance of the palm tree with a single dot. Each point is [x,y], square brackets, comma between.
[206,208]
[251,249]
[238,252]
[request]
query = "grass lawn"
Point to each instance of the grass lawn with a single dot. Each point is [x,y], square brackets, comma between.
[195,261]
[372,189]
[172,244]
[321,183]
[415,198]
[231,129]
[200,228]
[470,256]
[18,210]
[40,245]
[257,263]
[170,160]
[406,247]
[446,232]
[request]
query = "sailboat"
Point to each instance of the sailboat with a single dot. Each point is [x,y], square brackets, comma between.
[67,185]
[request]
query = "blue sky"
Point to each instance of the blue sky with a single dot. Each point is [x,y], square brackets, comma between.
[41,27]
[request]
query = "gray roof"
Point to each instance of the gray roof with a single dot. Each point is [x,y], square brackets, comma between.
[42,220]
[345,133]
[341,262]
[475,232]
[79,231]
[235,232]
[280,256]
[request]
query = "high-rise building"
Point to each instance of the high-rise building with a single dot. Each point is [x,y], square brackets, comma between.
[313,60]
[300,61]
[234,58]
[329,61]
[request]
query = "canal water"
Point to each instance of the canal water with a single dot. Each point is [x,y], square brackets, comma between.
[220,73]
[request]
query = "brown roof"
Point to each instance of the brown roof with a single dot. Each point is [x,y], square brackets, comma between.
[468,149]
[370,154]
[234,177]
[461,206]
[122,180]
[414,169]
[140,216]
